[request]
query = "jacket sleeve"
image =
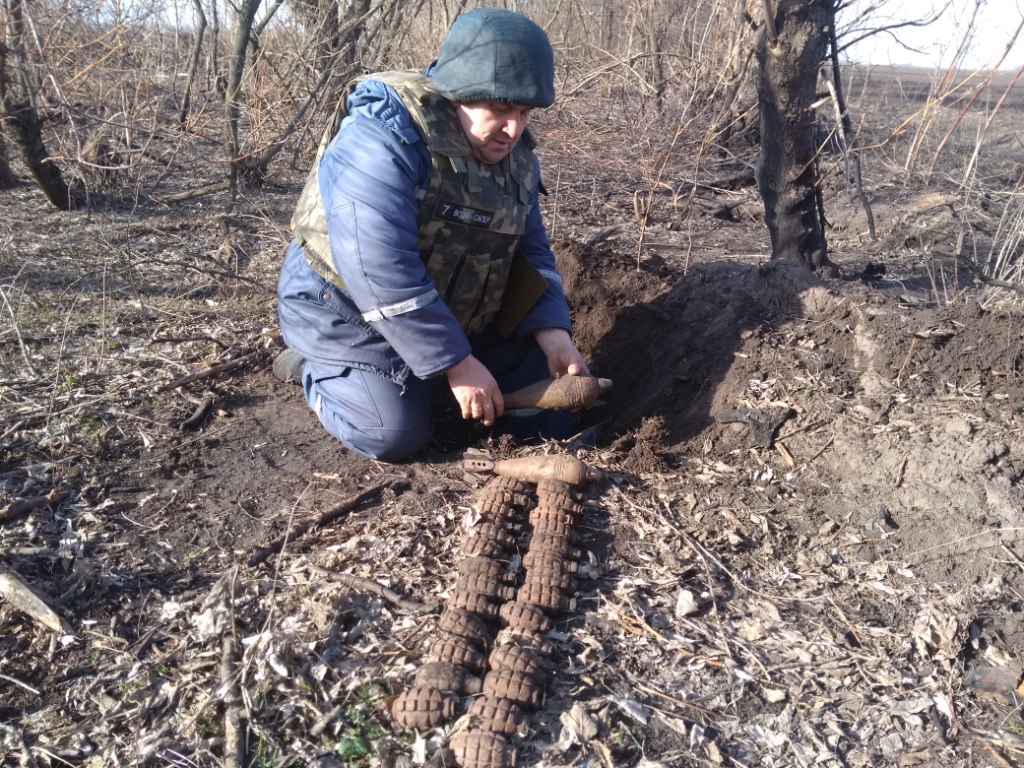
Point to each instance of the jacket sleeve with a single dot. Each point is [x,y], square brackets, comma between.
[551,309]
[369,177]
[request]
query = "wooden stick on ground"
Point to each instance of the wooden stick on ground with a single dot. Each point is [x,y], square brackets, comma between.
[372,494]
[234,732]
[213,370]
[191,194]
[23,599]
[199,415]
[376,588]
[22,507]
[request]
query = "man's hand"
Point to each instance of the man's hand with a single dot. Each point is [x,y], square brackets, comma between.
[476,391]
[563,357]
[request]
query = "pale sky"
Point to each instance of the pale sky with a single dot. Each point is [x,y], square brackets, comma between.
[937,43]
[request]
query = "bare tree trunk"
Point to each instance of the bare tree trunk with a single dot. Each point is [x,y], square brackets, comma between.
[790,54]
[197,49]
[7,178]
[18,101]
[844,127]
[246,15]
[213,52]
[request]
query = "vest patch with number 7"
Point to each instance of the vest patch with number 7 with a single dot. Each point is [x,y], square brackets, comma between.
[463,214]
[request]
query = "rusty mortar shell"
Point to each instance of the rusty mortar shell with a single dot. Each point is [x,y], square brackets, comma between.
[547,560]
[524,690]
[518,658]
[484,584]
[489,567]
[498,715]
[452,649]
[473,602]
[483,749]
[555,578]
[524,616]
[533,469]
[465,624]
[447,677]
[565,392]
[544,597]
[546,544]
[423,708]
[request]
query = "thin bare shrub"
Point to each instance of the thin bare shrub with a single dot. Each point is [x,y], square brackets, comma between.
[1004,262]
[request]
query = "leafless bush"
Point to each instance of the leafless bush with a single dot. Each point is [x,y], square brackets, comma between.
[1004,263]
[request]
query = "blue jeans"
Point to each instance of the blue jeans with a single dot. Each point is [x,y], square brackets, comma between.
[380,419]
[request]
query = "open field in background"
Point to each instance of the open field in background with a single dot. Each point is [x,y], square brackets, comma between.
[847,593]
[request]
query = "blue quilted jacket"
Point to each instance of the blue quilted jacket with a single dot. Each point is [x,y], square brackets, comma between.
[369,177]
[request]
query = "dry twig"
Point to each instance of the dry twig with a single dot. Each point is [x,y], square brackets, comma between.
[234,733]
[213,370]
[332,514]
[23,599]
[22,507]
[376,588]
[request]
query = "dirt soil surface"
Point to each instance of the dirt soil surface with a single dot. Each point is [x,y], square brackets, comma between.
[805,548]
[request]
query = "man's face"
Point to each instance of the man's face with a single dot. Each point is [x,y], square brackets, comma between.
[493,128]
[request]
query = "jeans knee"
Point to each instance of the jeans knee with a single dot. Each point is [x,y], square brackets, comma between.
[370,415]
[389,445]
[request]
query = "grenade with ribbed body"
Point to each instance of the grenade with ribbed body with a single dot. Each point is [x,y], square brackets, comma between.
[481,546]
[540,559]
[496,508]
[545,597]
[447,677]
[465,624]
[524,616]
[423,707]
[556,492]
[524,690]
[574,511]
[499,715]
[510,490]
[535,641]
[516,658]
[452,649]
[474,602]
[555,577]
[558,546]
[556,525]
[507,523]
[489,567]
[489,529]
[484,584]
[483,749]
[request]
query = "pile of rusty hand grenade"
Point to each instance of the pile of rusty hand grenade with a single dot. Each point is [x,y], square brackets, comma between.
[508,681]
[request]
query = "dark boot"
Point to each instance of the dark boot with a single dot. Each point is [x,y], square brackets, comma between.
[288,365]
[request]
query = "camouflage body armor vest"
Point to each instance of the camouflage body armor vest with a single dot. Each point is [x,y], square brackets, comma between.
[471,214]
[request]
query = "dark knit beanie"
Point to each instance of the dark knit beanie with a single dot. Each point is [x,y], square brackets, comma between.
[492,53]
